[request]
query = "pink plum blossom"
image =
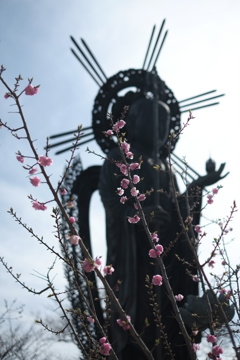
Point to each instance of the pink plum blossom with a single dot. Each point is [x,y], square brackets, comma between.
[88,265]
[155,237]
[31,90]
[102,340]
[35,181]
[217,350]
[125,146]
[141,197]
[134,166]
[108,270]
[45,161]
[134,191]
[133,220]
[153,253]
[108,132]
[63,191]
[157,280]
[105,347]
[7,95]
[210,198]
[98,261]
[72,219]
[118,125]
[123,168]
[129,155]
[196,347]
[124,183]
[74,239]
[211,338]
[195,278]
[20,158]
[124,324]
[123,199]
[120,191]
[32,171]
[215,191]
[179,297]
[38,206]
[136,179]
[211,263]
[198,229]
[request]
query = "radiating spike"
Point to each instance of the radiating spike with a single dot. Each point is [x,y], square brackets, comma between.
[69,132]
[72,147]
[200,107]
[94,59]
[149,44]
[165,35]
[196,96]
[176,164]
[68,140]
[74,53]
[159,33]
[88,61]
[186,165]
[200,101]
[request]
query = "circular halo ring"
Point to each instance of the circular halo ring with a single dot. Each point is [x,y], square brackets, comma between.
[108,94]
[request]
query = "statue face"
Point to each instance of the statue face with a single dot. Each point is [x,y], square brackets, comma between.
[140,124]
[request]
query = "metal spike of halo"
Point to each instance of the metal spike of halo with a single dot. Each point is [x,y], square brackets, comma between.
[113,91]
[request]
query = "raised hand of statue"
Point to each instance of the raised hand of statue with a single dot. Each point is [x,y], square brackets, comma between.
[211,178]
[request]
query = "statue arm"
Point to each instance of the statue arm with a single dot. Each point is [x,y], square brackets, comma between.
[210,179]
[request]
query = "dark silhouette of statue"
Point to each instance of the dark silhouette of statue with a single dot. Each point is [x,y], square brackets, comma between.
[152,127]
[128,245]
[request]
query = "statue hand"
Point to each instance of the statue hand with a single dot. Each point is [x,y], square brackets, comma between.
[211,178]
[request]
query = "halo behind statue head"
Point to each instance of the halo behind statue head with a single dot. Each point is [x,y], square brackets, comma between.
[122,90]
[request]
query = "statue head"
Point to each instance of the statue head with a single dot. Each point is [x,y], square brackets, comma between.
[141,125]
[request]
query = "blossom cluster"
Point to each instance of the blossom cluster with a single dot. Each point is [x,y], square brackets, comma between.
[153,253]
[124,324]
[211,195]
[105,347]
[125,168]
[29,90]
[108,269]
[35,180]
[89,265]
[38,206]
[216,351]
[42,160]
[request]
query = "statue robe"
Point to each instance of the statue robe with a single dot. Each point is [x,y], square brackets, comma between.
[127,252]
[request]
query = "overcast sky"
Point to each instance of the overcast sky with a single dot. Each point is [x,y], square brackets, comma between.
[201,53]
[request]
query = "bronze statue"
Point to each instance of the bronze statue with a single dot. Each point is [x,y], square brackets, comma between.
[127,244]
[153,113]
